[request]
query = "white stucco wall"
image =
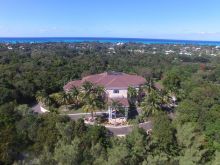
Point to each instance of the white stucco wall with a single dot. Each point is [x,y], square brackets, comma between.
[122,93]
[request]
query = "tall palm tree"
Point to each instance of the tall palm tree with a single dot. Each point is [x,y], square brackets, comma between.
[165,97]
[48,101]
[100,93]
[39,96]
[151,85]
[115,105]
[64,99]
[132,96]
[87,87]
[42,97]
[55,97]
[148,87]
[152,103]
[140,94]
[93,98]
[75,96]
[92,104]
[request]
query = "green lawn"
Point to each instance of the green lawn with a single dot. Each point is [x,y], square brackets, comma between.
[70,111]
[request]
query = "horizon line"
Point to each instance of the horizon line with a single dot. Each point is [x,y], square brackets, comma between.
[140,38]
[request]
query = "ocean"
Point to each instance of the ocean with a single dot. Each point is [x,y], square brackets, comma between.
[107,40]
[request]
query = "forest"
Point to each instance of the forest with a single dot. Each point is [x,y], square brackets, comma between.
[191,137]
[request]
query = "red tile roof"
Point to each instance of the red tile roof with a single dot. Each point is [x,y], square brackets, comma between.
[109,80]
[122,101]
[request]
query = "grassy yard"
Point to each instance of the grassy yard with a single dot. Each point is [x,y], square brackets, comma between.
[62,109]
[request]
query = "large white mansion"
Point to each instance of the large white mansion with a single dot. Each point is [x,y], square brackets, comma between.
[115,83]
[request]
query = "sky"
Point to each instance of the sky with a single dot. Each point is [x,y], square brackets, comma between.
[164,19]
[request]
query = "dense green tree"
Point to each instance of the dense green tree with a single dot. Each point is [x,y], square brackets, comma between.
[151,103]
[213,132]
[118,155]
[192,138]
[188,111]
[47,132]
[68,153]
[6,95]
[164,134]
[172,81]
[217,158]
[138,143]
[98,134]
[194,145]
[9,141]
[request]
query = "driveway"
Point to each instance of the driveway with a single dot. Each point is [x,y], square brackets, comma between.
[116,130]
[76,116]
[124,130]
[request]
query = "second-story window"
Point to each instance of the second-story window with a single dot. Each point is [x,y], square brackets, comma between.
[115,91]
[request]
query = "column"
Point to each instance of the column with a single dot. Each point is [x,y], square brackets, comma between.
[109,112]
[126,112]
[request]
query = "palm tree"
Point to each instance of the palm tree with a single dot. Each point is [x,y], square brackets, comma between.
[165,97]
[115,105]
[87,87]
[151,85]
[140,95]
[64,98]
[86,90]
[132,96]
[75,96]
[55,97]
[152,103]
[42,97]
[100,93]
[148,87]
[93,98]
[48,101]
[92,104]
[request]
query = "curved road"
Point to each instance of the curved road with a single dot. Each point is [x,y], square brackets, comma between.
[116,130]
[124,130]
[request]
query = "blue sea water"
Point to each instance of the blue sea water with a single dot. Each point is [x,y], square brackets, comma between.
[106,40]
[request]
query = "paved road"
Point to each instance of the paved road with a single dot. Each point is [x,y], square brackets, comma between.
[76,116]
[124,130]
[116,130]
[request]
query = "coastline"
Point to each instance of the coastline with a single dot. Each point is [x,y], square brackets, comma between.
[15,40]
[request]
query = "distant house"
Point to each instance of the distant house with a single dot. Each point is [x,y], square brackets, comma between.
[10,48]
[115,83]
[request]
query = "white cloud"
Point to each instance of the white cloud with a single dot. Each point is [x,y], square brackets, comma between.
[208,33]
